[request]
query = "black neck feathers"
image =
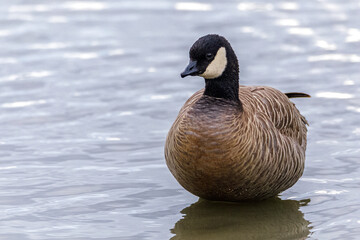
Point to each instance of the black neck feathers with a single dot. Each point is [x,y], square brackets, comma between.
[222,88]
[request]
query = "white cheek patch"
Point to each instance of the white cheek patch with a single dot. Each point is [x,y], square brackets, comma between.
[217,66]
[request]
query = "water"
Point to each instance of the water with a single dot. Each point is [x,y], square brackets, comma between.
[88,91]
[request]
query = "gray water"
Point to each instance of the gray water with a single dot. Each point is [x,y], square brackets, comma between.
[88,91]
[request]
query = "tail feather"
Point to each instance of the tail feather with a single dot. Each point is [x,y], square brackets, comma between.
[297,95]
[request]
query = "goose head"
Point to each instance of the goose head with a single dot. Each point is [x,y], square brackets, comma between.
[211,57]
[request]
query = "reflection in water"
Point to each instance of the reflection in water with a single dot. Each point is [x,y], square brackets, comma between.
[270,219]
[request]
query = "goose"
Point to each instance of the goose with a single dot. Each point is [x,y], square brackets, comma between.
[231,142]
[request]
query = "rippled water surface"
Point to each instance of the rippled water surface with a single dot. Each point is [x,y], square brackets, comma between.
[89,89]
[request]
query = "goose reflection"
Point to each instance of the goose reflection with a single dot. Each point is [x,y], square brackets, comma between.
[270,219]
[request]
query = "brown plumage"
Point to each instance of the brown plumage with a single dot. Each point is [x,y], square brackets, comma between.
[225,149]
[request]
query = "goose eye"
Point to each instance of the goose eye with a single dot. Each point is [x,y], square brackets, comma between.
[209,56]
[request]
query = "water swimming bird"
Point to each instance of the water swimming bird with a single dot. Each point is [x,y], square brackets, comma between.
[232,142]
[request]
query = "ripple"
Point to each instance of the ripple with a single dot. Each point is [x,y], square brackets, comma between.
[330,6]
[113,139]
[51,45]
[253,32]
[21,17]
[324,180]
[57,19]
[4,33]
[292,48]
[248,6]
[289,6]
[126,113]
[85,6]
[328,142]
[10,78]
[287,22]
[156,97]
[325,45]
[354,109]
[40,74]
[353,35]
[23,104]
[29,8]
[34,74]
[89,55]
[357,130]
[349,82]
[95,168]
[335,57]
[334,95]
[116,52]
[334,121]
[160,97]
[8,60]
[301,31]
[330,192]
[152,70]
[105,137]
[8,167]
[192,6]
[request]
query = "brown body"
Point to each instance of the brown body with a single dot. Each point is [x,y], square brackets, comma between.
[218,150]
